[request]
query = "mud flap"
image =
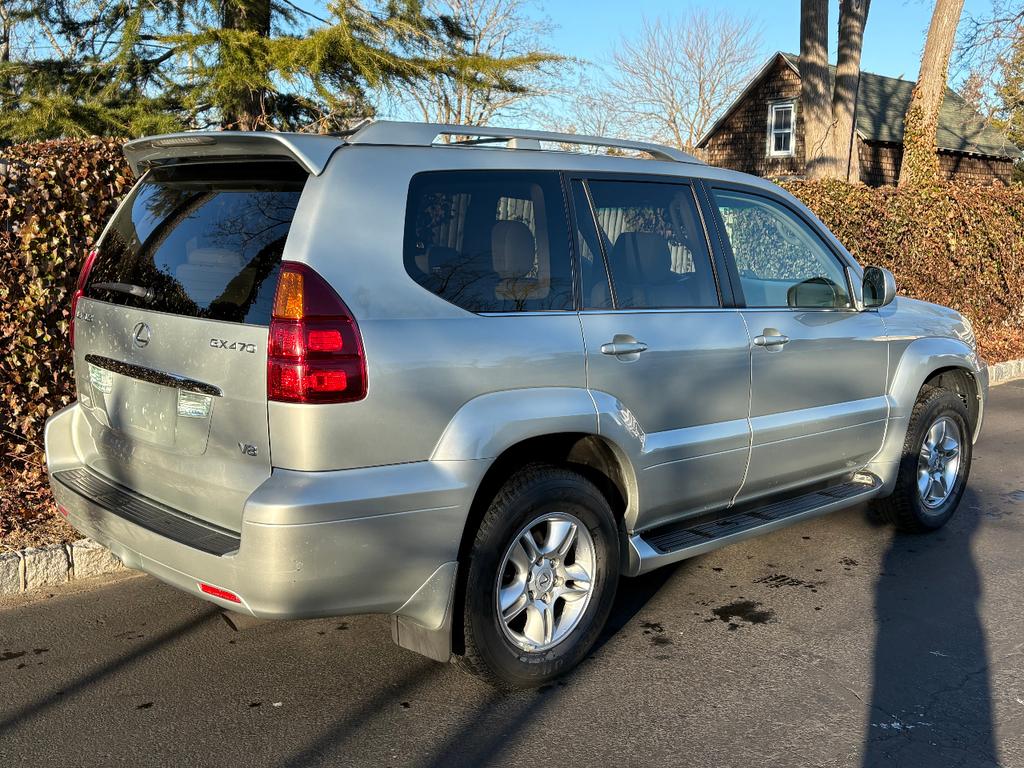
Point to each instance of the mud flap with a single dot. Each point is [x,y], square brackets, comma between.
[424,623]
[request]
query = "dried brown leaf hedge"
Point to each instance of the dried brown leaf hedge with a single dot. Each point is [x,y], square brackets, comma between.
[960,246]
[55,197]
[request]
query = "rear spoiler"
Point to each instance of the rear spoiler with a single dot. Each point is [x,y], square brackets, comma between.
[311,152]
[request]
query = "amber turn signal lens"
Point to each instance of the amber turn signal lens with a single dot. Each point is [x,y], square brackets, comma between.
[288,299]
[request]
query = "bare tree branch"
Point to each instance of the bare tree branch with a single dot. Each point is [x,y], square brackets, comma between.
[671,81]
[499,29]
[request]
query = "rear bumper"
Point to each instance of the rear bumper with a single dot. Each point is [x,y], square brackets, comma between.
[311,543]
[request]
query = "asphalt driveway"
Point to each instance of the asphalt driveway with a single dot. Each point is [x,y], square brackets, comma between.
[831,643]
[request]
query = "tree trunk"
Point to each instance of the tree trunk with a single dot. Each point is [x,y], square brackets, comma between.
[248,112]
[5,34]
[814,101]
[853,16]
[920,153]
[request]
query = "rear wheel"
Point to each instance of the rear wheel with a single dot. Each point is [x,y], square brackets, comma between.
[541,578]
[935,464]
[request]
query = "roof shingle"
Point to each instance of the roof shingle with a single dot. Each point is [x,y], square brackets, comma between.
[882,105]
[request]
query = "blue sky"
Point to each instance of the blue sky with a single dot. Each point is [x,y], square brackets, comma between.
[893,39]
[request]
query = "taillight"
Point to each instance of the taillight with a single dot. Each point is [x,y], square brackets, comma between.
[315,353]
[83,278]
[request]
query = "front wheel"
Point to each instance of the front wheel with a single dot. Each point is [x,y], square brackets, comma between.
[541,578]
[935,464]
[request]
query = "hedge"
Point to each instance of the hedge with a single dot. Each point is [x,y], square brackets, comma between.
[55,197]
[960,246]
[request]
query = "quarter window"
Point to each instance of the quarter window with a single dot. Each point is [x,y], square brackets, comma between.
[781,261]
[780,129]
[655,246]
[490,241]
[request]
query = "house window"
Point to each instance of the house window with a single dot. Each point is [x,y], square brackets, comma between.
[780,129]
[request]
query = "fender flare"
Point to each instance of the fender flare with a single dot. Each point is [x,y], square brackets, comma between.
[919,360]
[488,425]
[923,357]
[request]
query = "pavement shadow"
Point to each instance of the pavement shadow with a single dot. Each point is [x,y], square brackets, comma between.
[49,699]
[505,715]
[489,729]
[931,702]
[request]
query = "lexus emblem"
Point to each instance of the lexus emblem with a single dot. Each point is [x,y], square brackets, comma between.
[141,335]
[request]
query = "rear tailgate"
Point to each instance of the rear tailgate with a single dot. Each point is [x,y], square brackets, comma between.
[171,334]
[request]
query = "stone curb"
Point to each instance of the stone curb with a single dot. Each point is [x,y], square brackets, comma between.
[1000,373]
[34,567]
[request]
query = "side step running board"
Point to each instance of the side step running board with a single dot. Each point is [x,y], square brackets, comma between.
[677,541]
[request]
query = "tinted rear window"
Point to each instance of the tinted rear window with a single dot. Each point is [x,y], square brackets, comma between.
[205,240]
[490,241]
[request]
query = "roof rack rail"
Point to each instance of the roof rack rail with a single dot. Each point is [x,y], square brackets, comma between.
[395,133]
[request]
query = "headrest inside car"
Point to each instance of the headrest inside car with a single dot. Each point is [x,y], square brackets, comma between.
[512,248]
[646,254]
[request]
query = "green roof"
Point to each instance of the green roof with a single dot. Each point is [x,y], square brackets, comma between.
[882,105]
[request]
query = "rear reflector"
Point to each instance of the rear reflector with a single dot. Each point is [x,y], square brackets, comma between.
[223,594]
[315,352]
[83,277]
[62,509]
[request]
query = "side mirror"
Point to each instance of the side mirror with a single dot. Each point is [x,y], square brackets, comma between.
[879,287]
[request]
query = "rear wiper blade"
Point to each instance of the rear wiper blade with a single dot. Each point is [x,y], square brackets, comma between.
[142,292]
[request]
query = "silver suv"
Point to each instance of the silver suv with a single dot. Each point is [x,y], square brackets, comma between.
[469,383]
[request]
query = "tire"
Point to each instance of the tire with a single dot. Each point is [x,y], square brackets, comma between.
[536,646]
[912,507]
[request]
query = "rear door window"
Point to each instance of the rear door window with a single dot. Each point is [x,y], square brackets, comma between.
[490,241]
[201,240]
[655,244]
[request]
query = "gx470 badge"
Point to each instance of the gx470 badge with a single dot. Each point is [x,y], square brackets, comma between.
[237,346]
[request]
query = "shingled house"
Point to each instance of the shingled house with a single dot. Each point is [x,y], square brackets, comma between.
[762,132]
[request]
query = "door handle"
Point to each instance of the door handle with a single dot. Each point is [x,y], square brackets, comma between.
[618,348]
[771,338]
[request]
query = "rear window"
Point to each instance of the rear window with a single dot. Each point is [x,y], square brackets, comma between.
[201,240]
[490,241]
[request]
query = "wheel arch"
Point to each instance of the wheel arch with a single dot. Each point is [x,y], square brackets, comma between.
[594,456]
[930,361]
[962,382]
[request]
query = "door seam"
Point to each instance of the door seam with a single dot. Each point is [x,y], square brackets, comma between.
[750,402]
[586,373]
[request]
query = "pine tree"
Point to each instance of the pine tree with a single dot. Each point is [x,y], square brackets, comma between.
[88,68]
[142,66]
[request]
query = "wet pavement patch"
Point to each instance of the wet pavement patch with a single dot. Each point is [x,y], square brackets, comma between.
[8,655]
[147,705]
[777,580]
[1017,496]
[657,632]
[749,611]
